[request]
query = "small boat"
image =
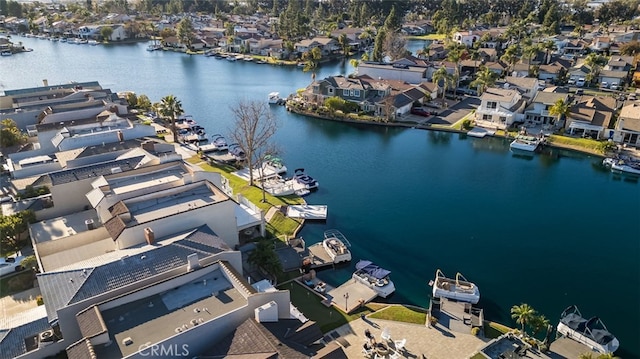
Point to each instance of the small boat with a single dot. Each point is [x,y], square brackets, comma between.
[526,143]
[592,333]
[6,52]
[274,164]
[301,64]
[304,179]
[92,42]
[337,246]
[277,186]
[63,39]
[274,98]
[374,277]
[237,152]
[608,162]
[248,58]
[219,142]
[626,167]
[154,47]
[231,58]
[459,289]
[261,62]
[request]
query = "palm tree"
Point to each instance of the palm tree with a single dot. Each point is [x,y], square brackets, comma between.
[594,61]
[561,109]
[355,63]
[171,107]
[538,323]
[485,78]
[455,56]
[523,314]
[510,56]
[442,75]
[265,257]
[548,46]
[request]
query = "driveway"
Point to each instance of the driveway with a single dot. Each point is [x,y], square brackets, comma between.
[453,114]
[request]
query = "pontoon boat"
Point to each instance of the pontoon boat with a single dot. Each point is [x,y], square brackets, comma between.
[457,289]
[337,246]
[375,277]
[591,333]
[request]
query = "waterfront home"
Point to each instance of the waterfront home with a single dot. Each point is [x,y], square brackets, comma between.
[590,116]
[527,86]
[396,71]
[627,129]
[537,113]
[267,47]
[29,106]
[355,89]
[467,38]
[94,32]
[510,346]
[353,34]
[500,108]
[326,45]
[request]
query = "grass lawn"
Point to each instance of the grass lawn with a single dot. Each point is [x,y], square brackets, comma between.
[279,225]
[585,144]
[327,318]
[493,330]
[16,283]
[400,313]
[427,37]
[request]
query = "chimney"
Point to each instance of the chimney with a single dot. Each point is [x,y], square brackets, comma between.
[90,224]
[120,136]
[149,236]
[193,262]
[45,82]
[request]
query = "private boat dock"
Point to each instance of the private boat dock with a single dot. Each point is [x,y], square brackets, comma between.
[315,254]
[350,296]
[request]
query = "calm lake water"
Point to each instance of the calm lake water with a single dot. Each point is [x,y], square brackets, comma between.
[550,230]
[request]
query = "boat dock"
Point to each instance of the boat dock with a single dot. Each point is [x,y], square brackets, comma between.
[350,296]
[306,211]
[315,253]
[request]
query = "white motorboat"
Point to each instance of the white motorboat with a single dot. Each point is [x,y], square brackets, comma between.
[219,142]
[592,333]
[304,179]
[277,186]
[626,167]
[154,47]
[274,97]
[273,164]
[526,143]
[374,277]
[608,162]
[231,58]
[337,246]
[459,289]
[92,42]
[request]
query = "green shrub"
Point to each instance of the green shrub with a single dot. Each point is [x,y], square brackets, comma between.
[475,331]
[39,300]
[466,124]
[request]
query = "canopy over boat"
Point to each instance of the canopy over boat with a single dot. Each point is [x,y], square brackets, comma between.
[372,269]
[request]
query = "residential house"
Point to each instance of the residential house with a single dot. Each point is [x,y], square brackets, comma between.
[326,44]
[552,72]
[612,77]
[267,47]
[591,116]
[574,47]
[436,52]
[396,71]
[527,86]
[497,67]
[174,43]
[537,113]
[353,35]
[488,54]
[520,70]
[500,108]
[627,128]
[601,44]
[628,36]
[431,89]
[578,72]
[467,38]
[619,63]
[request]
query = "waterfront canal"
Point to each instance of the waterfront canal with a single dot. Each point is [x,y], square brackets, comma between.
[550,230]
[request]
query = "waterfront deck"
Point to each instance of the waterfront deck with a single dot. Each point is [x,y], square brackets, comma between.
[350,296]
[306,211]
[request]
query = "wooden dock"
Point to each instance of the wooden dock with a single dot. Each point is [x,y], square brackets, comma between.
[351,295]
[319,256]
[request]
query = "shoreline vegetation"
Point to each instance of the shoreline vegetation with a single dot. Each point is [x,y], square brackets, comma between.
[582,145]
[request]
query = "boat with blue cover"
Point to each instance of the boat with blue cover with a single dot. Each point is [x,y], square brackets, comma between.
[374,277]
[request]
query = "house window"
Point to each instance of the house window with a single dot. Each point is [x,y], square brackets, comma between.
[357,93]
[351,93]
[486,117]
[345,92]
[492,105]
[330,90]
[503,119]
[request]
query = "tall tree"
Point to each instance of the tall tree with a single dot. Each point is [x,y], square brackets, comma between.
[560,108]
[522,314]
[264,256]
[185,32]
[254,127]
[170,107]
[106,32]
[392,22]
[443,79]
[378,45]
[484,78]
[344,44]
[12,228]
[10,134]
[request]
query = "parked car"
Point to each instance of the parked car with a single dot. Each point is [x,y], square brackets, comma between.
[580,82]
[420,112]
[604,85]
[10,265]
[615,87]
[571,82]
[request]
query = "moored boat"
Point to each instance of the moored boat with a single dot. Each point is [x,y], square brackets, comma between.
[337,246]
[374,277]
[237,152]
[526,143]
[219,142]
[626,167]
[459,289]
[304,179]
[274,97]
[592,333]
[154,47]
